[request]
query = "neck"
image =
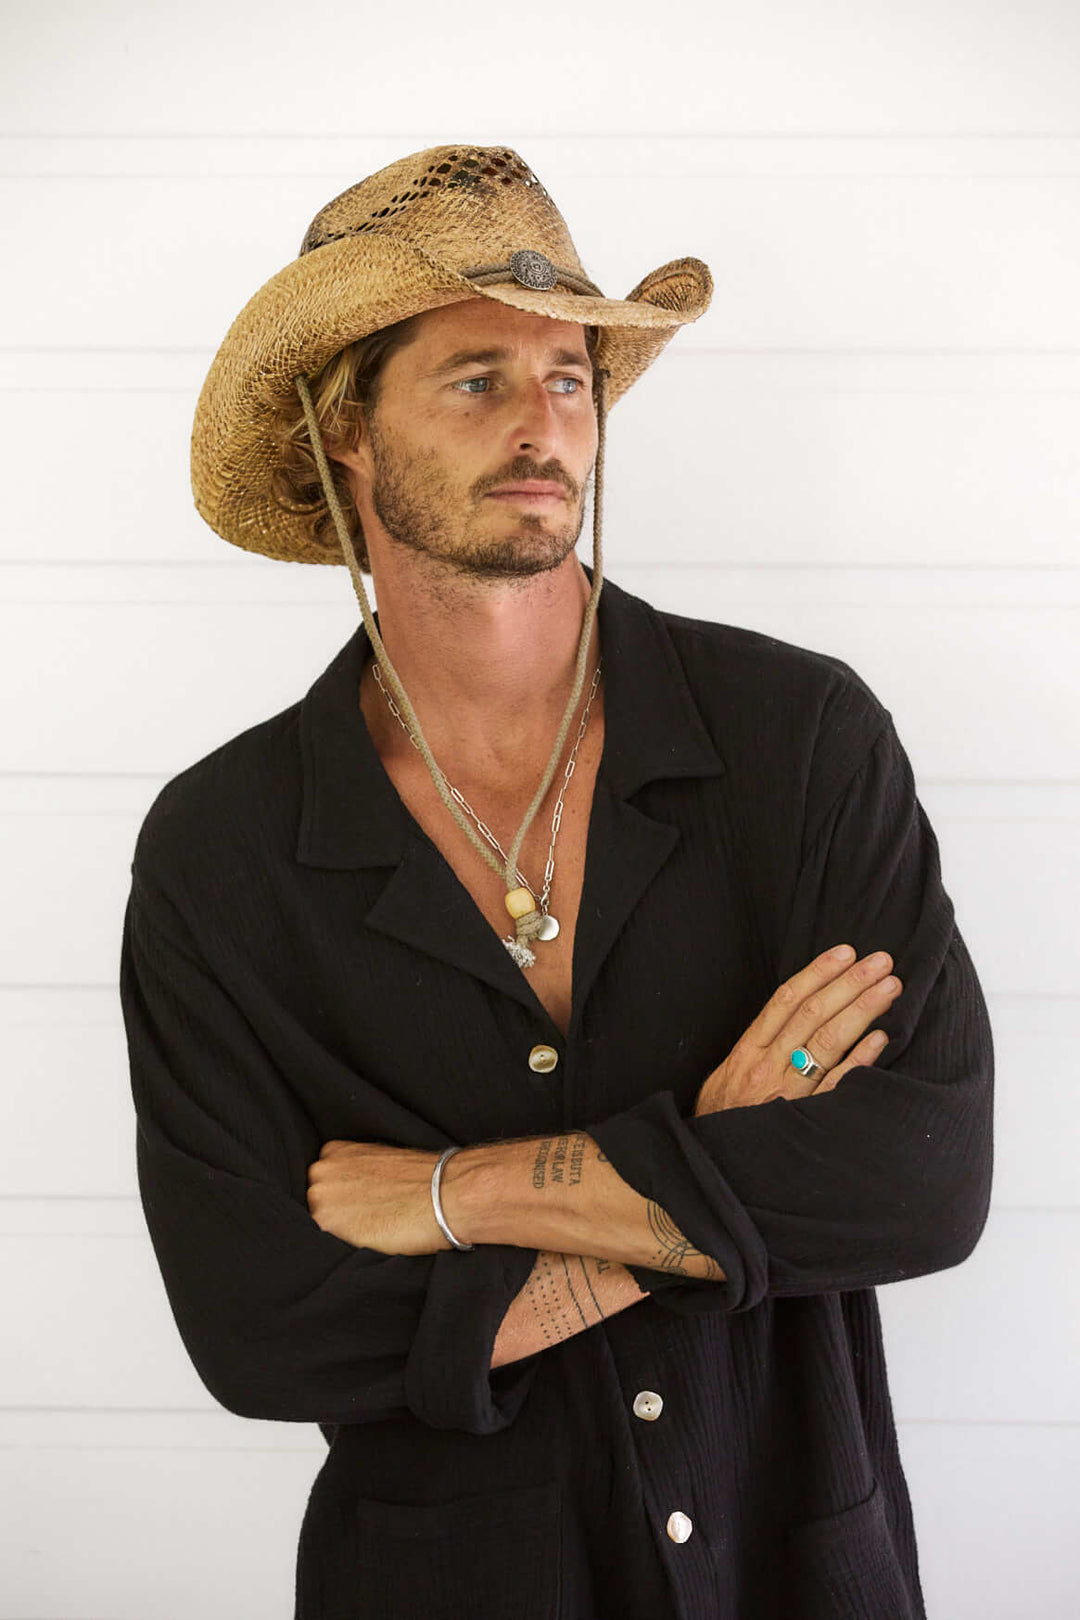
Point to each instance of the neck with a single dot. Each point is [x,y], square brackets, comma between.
[489,672]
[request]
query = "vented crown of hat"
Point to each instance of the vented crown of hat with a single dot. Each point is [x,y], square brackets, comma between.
[430,196]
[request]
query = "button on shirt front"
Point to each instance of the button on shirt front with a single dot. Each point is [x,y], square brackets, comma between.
[648,1405]
[679,1527]
[301,964]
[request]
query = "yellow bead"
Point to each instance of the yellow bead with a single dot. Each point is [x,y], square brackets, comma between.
[519,902]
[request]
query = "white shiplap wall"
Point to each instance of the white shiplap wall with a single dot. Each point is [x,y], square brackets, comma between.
[867,446]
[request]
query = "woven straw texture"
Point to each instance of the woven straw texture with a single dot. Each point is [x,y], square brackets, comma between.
[394,245]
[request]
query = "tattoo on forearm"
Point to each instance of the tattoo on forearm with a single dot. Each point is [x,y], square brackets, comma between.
[674,1249]
[561,1295]
[559,1160]
[565,1267]
[583,1267]
[540,1162]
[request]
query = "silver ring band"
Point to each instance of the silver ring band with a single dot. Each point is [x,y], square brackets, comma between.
[806,1063]
[436,1178]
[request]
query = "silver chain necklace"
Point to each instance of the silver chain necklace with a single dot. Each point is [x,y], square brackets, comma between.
[549,928]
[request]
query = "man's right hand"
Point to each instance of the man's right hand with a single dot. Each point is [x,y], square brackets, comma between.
[825,1007]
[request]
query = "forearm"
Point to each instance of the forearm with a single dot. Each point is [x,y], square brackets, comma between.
[560,1193]
[563,1294]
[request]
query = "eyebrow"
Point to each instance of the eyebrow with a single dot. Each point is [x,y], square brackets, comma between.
[478,357]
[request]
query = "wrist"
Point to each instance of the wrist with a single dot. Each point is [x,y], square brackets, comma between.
[545,1193]
[436,1201]
[468,1196]
[497,1195]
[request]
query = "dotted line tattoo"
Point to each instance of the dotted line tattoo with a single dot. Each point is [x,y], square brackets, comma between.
[550,1291]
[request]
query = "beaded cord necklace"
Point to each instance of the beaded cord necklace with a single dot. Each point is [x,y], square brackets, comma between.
[549,925]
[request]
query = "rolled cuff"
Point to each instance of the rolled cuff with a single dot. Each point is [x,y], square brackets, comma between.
[449,1380]
[653,1151]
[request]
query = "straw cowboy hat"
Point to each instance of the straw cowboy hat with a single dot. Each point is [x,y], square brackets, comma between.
[442,225]
[437,227]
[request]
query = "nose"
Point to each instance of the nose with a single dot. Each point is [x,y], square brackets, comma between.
[539,424]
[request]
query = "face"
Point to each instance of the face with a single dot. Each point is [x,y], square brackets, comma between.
[447,432]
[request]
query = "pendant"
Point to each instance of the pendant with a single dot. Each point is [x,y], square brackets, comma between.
[549,928]
[520,952]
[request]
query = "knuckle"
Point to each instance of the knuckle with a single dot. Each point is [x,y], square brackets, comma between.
[786,994]
[868,971]
[827,1040]
[812,1007]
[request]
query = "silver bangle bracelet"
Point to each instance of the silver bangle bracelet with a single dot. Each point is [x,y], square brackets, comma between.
[436,1177]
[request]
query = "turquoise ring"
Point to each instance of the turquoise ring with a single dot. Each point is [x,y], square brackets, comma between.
[805,1062]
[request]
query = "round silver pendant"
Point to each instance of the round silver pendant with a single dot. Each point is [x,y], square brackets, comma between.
[549,928]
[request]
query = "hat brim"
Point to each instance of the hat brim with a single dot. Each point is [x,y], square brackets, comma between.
[324,300]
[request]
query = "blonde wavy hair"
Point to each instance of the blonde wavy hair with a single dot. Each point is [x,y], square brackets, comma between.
[347,388]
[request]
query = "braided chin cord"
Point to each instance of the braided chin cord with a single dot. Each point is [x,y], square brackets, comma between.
[527,926]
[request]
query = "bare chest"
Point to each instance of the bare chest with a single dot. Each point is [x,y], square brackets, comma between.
[551,976]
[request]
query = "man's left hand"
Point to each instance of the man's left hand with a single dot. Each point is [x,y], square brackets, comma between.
[376,1197]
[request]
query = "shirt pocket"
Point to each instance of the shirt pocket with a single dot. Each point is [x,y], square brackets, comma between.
[483,1557]
[845,1567]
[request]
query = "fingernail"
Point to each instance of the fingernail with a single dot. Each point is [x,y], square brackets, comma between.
[843,953]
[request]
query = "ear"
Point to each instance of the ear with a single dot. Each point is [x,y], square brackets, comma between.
[352,455]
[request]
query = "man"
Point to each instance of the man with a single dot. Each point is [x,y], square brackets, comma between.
[567,1237]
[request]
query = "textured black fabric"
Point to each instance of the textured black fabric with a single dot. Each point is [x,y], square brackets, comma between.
[300,963]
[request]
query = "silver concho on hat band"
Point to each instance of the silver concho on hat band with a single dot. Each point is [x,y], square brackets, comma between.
[533,269]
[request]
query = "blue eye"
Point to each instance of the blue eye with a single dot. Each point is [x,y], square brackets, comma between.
[464,384]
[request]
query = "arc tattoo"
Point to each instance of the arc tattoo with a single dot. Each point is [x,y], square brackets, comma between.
[675,1249]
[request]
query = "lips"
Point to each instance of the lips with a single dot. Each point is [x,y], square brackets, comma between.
[527,500]
[534,492]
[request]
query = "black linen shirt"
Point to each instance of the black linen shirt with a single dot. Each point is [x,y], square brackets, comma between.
[300,963]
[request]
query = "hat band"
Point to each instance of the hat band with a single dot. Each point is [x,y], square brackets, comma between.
[531,269]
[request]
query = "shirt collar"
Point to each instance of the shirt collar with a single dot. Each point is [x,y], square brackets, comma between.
[353,815]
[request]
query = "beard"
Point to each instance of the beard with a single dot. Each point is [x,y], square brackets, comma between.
[421,509]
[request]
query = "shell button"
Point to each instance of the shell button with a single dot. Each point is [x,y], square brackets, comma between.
[679,1527]
[542,1059]
[648,1405]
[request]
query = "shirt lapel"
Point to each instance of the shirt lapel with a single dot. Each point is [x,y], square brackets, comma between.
[353,817]
[653,731]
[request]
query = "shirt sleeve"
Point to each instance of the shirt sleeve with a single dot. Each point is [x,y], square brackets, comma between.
[282,1319]
[888,1175]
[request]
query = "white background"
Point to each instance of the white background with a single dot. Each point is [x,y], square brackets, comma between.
[867,446]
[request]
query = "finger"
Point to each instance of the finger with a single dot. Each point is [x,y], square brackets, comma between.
[833,1039]
[867,1052]
[824,1000]
[772,1018]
